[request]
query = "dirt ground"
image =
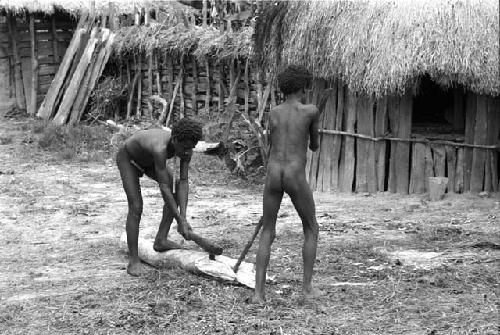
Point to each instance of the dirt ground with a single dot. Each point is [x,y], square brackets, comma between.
[388,264]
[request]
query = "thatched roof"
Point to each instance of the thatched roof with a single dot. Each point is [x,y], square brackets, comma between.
[385,46]
[201,42]
[75,7]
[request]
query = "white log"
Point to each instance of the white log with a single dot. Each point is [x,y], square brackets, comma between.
[193,260]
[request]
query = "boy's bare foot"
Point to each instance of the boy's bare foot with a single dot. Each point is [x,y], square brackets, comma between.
[137,269]
[255,299]
[312,293]
[164,245]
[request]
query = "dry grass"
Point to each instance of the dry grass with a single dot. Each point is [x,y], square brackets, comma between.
[62,270]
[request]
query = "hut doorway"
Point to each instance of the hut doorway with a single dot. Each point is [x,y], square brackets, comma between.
[438,112]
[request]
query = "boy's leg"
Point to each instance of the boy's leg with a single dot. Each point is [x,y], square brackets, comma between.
[130,180]
[272,202]
[303,201]
[161,242]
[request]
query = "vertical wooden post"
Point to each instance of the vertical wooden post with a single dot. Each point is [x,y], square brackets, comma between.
[470,124]
[459,172]
[182,108]
[138,110]
[170,80]
[55,48]
[194,96]
[150,84]
[393,112]
[326,148]
[451,164]
[365,160]
[208,87]
[337,139]
[439,155]
[247,87]
[34,67]
[112,16]
[158,74]
[417,176]
[480,137]
[403,156]
[380,147]
[492,139]
[219,88]
[18,74]
[204,12]
[260,89]
[347,160]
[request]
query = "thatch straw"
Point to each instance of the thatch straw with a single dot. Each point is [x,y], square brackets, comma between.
[202,42]
[75,7]
[385,46]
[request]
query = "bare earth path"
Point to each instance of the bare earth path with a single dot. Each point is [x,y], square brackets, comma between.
[388,264]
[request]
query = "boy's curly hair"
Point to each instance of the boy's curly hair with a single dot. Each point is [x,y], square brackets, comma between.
[187,129]
[294,78]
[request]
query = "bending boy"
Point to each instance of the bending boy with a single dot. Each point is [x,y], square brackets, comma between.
[146,152]
[292,125]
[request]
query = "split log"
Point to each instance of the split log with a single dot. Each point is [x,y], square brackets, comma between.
[138,108]
[326,147]
[480,137]
[208,87]
[439,155]
[380,147]
[337,140]
[429,166]
[150,78]
[470,123]
[451,163]
[18,74]
[74,85]
[48,106]
[459,173]
[347,160]
[393,112]
[193,261]
[403,149]
[492,138]
[194,106]
[177,85]
[365,161]
[417,177]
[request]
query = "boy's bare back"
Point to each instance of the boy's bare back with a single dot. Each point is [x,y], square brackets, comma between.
[292,125]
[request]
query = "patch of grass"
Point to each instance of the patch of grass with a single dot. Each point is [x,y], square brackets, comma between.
[6,140]
[86,143]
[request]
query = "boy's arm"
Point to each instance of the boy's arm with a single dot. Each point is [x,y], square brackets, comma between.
[164,175]
[183,186]
[314,131]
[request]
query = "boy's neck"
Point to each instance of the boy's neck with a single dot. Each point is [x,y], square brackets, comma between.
[294,97]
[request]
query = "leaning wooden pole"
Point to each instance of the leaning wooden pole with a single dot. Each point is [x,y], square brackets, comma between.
[76,80]
[48,105]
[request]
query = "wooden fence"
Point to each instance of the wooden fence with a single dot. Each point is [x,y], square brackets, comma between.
[33,47]
[367,145]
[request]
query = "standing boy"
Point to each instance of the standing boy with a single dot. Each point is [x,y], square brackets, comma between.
[146,152]
[292,125]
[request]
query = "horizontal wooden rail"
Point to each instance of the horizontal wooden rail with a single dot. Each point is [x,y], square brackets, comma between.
[414,140]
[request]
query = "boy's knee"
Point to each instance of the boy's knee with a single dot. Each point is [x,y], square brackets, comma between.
[311,228]
[135,208]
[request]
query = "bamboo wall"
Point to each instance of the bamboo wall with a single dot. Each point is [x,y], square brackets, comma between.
[356,154]
[190,86]
[33,47]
